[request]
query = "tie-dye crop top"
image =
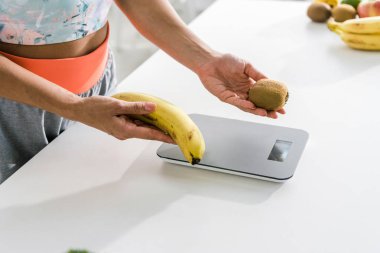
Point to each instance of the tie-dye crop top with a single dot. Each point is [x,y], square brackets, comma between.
[38,22]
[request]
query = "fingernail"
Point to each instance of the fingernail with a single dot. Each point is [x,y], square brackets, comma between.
[149,106]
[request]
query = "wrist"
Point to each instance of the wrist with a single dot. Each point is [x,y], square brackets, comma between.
[205,59]
[70,107]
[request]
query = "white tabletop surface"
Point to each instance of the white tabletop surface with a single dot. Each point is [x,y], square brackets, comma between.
[88,190]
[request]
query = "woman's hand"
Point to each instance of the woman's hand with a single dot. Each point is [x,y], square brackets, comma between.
[110,115]
[229,79]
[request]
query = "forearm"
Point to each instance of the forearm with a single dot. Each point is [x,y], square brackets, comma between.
[158,22]
[21,85]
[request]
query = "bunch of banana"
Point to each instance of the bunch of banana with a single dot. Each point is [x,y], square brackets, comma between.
[173,121]
[361,33]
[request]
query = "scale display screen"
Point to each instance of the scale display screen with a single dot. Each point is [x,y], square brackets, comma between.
[280,151]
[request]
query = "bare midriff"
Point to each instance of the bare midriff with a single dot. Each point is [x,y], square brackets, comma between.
[69,49]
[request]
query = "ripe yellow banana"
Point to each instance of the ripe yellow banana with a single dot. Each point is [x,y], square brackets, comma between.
[366,39]
[370,25]
[172,120]
[362,41]
[332,3]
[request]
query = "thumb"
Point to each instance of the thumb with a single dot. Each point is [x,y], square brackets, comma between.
[253,73]
[137,108]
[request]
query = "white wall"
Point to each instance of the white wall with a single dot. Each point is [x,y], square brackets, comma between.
[130,48]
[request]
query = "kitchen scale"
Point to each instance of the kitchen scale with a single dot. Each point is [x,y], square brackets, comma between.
[244,148]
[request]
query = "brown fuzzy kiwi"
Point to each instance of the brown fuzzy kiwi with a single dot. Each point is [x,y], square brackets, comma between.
[319,12]
[343,12]
[269,94]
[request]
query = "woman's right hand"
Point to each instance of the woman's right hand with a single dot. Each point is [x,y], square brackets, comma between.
[110,115]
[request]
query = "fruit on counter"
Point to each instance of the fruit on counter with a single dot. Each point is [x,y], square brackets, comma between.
[369,9]
[362,41]
[370,25]
[319,12]
[332,3]
[269,94]
[173,121]
[361,33]
[353,3]
[343,12]
[78,251]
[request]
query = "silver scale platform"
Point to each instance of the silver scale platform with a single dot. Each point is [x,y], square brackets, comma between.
[244,148]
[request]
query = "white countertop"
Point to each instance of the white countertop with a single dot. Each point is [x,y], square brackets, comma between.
[88,190]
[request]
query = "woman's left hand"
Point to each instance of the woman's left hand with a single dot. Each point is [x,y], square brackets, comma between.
[229,79]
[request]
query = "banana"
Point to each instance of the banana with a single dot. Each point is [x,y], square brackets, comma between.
[172,120]
[362,35]
[370,25]
[362,41]
[332,3]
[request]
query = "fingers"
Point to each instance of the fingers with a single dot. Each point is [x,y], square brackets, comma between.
[282,111]
[124,128]
[148,133]
[253,73]
[272,114]
[245,105]
[248,106]
[135,108]
[257,111]
[239,102]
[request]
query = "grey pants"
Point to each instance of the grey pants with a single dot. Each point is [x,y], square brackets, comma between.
[25,130]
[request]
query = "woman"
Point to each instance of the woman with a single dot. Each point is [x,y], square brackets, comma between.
[55,67]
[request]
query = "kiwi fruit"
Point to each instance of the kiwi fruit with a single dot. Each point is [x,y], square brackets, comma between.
[269,94]
[343,12]
[319,12]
